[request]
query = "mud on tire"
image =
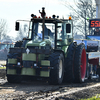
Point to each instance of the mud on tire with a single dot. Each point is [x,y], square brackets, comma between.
[57,62]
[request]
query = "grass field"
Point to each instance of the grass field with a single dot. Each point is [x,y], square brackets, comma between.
[2,67]
[97,97]
[2,63]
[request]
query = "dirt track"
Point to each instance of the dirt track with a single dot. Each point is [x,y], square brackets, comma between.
[41,90]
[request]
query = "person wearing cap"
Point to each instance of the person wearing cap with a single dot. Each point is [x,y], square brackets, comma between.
[97,32]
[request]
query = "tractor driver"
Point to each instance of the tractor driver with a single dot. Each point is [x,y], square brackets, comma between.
[97,31]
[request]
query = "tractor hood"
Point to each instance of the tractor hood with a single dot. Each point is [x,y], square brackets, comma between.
[37,44]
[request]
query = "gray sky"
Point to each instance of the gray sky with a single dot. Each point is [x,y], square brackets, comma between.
[12,10]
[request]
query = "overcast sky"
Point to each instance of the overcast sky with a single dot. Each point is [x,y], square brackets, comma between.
[12,10]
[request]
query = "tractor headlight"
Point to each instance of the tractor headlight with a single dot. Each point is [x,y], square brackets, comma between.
[35,64]
[18,63]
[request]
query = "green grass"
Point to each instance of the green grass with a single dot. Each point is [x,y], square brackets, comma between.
[3,67]
[97,97]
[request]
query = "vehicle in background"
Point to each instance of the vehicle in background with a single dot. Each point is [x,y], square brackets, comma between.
[4,49]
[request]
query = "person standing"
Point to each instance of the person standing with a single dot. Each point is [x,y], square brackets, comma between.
[97,32]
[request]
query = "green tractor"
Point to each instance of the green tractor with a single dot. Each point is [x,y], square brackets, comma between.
[48,52]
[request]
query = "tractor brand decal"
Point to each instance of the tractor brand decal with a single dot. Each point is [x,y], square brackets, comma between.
[27,51]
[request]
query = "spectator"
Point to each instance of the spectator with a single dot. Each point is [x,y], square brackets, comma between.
[97,31]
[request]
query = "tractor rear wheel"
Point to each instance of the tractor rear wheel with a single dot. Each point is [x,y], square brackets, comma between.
[14,78]
[69,60]
[80,64]
[57,62]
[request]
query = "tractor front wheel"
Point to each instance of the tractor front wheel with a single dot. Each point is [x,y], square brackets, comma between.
[57,62]
[14,78]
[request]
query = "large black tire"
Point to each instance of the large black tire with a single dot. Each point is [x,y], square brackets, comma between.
[18,44]
[69,60]
[14,78]
[80,64]
[57,62]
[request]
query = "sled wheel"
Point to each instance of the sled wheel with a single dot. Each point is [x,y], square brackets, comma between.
[69,74]
[57,62]
[14,78]
[80,63]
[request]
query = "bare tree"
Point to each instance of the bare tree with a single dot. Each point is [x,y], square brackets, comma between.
[3,28]
[81,10]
